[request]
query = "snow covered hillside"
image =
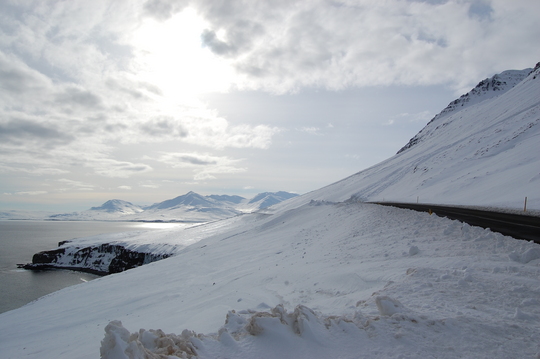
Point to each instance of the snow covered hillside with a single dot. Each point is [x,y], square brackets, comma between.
[322,280]
[482,150]
[325,275]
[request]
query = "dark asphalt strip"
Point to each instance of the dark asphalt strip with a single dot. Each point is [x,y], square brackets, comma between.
[515,225]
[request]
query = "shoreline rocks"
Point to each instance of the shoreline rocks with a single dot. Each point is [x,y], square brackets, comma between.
[102,259]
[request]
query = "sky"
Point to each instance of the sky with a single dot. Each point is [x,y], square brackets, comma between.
[147,100]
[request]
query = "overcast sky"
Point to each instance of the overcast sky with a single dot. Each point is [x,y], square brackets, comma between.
[147,100]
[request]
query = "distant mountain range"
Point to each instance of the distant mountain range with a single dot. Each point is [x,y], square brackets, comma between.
[190,207]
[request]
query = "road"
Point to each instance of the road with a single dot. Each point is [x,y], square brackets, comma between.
[514,225]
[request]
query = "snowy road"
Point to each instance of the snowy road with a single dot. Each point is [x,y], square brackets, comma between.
[515,225]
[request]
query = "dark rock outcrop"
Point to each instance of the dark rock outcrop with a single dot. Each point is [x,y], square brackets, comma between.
[100,259]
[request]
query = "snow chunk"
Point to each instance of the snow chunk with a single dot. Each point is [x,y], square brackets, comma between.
[413,250]
[115,343]
[519,315]
[527,256]
[146,344]
[388,306]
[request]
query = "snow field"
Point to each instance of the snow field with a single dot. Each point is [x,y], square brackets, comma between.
[459,308]
[349,271]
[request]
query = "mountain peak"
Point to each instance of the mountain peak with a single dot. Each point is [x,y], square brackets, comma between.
[267,199]
[117,205]
[486,89]
[189,199]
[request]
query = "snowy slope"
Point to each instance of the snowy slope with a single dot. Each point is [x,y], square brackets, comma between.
[371,281]
[485,90]
[485,154]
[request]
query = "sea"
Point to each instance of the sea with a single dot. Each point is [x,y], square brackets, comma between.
[20,240]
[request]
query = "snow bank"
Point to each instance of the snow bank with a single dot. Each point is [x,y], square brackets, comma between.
[464,293]
[366,281]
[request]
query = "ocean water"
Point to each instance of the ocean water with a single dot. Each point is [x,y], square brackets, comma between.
[20,240]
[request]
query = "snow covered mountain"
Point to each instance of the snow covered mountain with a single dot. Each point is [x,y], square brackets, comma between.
[484,153]
[189,199]
[229,199]
[265,200]
[190,207]
[118,206]
[486,89]
[109,210]
[325,274]
[193,207]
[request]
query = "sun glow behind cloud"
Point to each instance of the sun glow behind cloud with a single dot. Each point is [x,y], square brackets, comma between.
[170,54]
[98,97]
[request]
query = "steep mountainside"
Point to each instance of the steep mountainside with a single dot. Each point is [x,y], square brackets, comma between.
[484,153]
[486,89]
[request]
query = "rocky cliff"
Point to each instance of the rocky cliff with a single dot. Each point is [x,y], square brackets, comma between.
[99,259]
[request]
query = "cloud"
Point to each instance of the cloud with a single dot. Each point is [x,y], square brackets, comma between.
[71,92]
[113,168]
[17,131]
[149,186]
[38,171]
[126,188]
[210,39]
[310,130]
[283,46]
[73,96]
[246,136]
[162,9]
[164,126]
[75,185]
[216,132]
[240,37]
[195,159]
[79,94]
[18,78]
[203,165]
[30,193]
